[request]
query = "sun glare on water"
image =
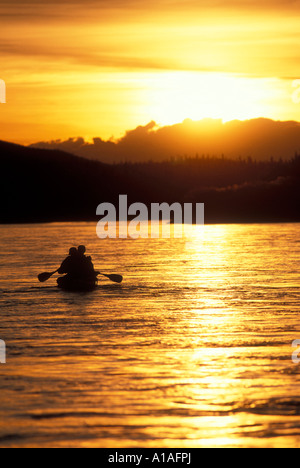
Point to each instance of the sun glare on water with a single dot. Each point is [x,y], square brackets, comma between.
[175,96]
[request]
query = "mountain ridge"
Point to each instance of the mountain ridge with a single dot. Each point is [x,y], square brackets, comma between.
[259,138]
[40,185]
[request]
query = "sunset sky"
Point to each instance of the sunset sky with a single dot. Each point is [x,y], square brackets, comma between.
[98,68]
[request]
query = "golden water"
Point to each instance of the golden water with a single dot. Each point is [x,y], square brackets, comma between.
[192,350]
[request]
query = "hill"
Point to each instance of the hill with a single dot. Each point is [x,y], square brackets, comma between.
[260,139]
[46,185]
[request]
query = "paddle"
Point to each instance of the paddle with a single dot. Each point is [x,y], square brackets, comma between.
[45,276]
[113,278]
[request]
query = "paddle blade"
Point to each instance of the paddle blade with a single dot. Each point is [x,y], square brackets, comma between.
[44,277]
[115,278]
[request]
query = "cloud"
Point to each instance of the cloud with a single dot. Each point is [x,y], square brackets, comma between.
[79,64]
[165,3]
[168,34]
[106,58]
[72,8]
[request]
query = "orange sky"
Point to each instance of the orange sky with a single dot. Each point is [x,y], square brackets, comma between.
[98,68]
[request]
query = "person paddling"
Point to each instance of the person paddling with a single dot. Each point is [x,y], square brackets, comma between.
[70,263]
[70,267]
[86,264]
[77,267]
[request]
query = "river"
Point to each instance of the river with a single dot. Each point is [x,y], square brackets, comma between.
[193,349]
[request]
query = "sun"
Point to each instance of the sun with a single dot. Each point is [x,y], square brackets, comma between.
[174,96]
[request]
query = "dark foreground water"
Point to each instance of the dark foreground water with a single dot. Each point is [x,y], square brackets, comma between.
[194,349]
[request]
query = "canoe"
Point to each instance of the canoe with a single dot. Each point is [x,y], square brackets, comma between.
[75,285]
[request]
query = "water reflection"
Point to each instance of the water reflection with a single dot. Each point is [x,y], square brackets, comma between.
[192,350]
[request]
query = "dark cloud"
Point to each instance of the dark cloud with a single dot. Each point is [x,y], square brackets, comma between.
[101,59]
[168,3]
[107,44]
[35,6]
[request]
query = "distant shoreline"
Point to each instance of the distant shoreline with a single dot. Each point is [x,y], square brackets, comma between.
[90,221]
[42,186]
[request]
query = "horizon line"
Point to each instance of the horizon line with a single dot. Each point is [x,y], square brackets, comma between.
[153,126]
